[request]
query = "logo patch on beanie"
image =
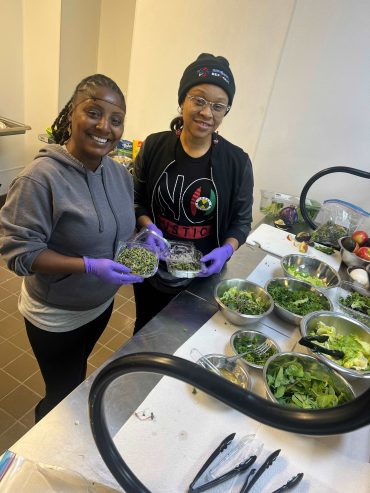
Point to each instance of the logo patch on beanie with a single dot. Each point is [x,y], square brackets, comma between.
[213,72]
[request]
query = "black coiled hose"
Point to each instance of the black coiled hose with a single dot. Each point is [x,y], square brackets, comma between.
[311,181]
[341,419]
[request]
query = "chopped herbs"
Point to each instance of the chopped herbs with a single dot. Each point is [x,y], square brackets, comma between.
[301,301]
[244,302]
[294,386]
[245,343]
[305,276]
[139,260]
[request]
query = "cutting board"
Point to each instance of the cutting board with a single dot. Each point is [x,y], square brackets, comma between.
[275,241]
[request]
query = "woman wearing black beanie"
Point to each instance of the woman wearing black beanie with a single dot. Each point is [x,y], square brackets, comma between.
[191,184]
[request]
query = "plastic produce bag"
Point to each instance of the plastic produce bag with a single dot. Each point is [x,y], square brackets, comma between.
[272,203]
[18,474]
[336,219]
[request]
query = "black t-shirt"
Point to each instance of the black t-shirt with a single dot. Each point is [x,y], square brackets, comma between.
[185,201]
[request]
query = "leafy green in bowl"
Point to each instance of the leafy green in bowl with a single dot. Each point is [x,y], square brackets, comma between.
[355,301]
[293,299]
[299,380]
[244,301]
[345,334]
[300,301]
[246,340]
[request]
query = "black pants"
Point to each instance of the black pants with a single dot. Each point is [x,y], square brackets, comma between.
[62,358]
[149,301]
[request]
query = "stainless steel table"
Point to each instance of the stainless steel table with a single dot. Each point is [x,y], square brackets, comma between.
[64,438]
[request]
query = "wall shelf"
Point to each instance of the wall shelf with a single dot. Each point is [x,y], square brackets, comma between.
[12,127]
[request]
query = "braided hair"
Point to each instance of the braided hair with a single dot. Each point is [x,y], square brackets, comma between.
[60,126]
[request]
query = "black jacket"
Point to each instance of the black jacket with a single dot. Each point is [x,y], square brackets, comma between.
[231,172]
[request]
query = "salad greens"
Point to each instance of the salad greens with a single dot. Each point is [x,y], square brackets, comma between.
[244,302]
[294,386]
[324,249]
[301,302]
[304,276]
[356,301]
[356,350]
[329,233]
[245,343]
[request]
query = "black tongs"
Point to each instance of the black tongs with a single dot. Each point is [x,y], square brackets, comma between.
[243,466]
[254,475]
[316,348]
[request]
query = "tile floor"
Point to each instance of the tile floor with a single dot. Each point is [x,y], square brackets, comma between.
[21,384]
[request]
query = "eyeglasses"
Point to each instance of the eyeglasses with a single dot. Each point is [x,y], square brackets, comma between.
[200,103]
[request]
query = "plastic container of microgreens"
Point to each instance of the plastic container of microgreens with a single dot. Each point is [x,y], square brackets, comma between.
[183,259]
[141,254]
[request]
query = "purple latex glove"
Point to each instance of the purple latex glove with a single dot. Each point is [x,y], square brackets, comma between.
[155,242]
[154,228]
[217,257]
[110,271]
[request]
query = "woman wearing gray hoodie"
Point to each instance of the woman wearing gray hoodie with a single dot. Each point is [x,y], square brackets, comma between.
[61,223]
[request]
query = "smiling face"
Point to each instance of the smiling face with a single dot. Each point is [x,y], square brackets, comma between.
[200,123]
[96,125]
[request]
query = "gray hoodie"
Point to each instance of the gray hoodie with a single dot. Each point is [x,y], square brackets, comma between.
[56,203]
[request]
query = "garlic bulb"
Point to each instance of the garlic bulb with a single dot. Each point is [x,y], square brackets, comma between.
[360,276]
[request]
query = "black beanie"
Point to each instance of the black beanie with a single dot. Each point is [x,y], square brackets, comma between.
[208,69]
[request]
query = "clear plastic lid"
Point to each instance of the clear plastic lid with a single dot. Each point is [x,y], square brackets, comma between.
[183,259]
[141,253]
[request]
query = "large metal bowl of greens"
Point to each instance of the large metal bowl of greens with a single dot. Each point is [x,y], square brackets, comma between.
[345,334]
[242,302]
[311,270]
[293,299]
[354,300]
[300,380]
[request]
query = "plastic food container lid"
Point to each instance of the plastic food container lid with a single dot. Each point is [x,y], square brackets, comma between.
[183,260]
